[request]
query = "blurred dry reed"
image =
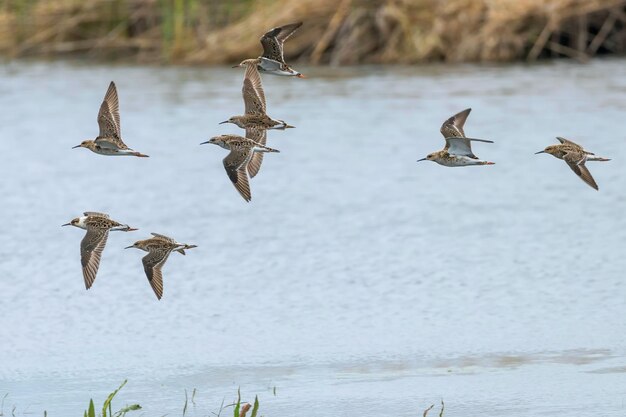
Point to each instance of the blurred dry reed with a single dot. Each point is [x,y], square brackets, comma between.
[336,32]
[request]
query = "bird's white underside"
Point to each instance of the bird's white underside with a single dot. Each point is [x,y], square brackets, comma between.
[460,161]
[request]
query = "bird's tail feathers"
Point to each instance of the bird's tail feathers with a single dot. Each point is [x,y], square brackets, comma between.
[283,125]
[268,149]
[124,228]
[185,246]
[597,158]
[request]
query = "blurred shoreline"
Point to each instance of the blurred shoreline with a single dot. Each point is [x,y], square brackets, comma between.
[336,32]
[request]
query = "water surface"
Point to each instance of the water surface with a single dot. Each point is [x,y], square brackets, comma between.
[357,282]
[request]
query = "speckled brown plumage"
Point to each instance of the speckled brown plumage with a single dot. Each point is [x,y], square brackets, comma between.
[255,116]
[98,226]
[109,140]
[159,248]
[273,60]
[273,41]
[575,156]
[458,148]
[238,160]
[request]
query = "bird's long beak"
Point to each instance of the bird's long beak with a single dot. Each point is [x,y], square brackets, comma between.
[77,146]
[537,153]
[66,224]
[236,66]
[225,121]
[423,159]
[128,247]
[208,141]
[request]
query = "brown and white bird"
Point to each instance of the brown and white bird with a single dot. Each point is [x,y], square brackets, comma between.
[159,248]
[458,149]
[98,226]
[244,159]
[575,157]
[255,116]
[273,60]
[109,141]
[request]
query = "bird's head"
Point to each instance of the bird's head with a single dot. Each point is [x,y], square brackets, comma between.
[216,140]
[429,157]
[75,222]
[552,150]
[89,144]
[247,62]
[134,245]
[237,120]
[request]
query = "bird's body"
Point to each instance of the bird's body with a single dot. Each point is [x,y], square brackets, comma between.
[458,149]
[159,248]
[240,144]
[98,226]
[273,60]
[109,141]
[244,158]
[447,159]
[255,116]
[257,121]
[575,156]
[276,67]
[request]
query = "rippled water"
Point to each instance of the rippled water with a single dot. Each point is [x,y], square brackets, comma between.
[357,282]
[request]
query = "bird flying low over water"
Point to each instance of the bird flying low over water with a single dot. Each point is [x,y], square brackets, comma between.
[98,226]
[458,149]
[254,101]
[159,248]
[109,140]
[575,157]
[242,159]
[273,61]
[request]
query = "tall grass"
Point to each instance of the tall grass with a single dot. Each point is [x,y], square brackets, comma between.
[336,32]
[107,410]
[240,409]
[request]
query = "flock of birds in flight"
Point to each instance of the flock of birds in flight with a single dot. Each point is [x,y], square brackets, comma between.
[246,155]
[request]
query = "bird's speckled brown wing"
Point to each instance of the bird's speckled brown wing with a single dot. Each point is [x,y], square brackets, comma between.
[169,239]
[576,161]
[96,213]
[252,91]
[152,264]
[569,142]
[91,248]
[273,41]
[235,164]
[109,121]
[259,136]
[109,114]
[453,127]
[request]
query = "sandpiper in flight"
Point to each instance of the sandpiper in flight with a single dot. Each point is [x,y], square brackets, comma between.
[241,160]
[273,61]
[109,140]
[254,100]
[575,157]
[458,149]
[159,248]
[98,226]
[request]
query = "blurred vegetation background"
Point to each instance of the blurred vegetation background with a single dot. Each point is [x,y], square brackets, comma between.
[337,32]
